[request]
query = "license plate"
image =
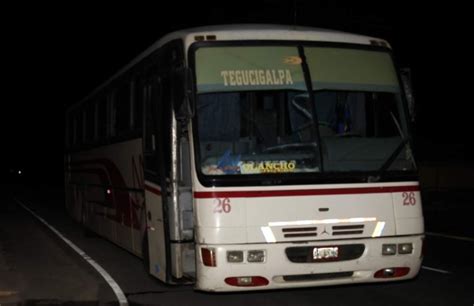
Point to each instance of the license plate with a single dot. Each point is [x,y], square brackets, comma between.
[325,253]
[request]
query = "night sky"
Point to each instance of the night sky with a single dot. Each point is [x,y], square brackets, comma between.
[54,55]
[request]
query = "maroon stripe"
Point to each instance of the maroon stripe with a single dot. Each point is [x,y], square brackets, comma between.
[304,192]
[153,189]
[111,175]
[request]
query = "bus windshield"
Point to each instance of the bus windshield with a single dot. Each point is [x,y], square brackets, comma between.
[255,115]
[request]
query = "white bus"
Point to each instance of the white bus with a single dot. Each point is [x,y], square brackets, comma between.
[250,157]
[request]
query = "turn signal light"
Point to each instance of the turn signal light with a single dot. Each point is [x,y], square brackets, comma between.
[208,257]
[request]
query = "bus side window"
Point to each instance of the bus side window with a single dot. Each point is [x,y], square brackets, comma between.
[136,105]
[111,114]
[78,128]
[164,124]
[89,122]
[101,118]
[150,142]
[123,108]
[70,130]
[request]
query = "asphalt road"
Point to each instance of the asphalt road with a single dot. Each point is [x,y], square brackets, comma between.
[37,267]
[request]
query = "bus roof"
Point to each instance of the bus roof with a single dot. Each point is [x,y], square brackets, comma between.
[267,32]
[244,32]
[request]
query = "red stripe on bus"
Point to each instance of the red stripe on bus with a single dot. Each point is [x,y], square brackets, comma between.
[303,192]
[153,190]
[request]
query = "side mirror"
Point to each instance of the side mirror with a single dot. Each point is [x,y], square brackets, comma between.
[405,74]
[183,94]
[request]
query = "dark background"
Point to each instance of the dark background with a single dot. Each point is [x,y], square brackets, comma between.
[55,54]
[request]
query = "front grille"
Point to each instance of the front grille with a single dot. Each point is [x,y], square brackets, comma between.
[316,277]
[296,232]
[305,254]
[339,230]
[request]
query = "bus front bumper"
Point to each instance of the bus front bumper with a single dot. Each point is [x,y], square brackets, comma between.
[307,264]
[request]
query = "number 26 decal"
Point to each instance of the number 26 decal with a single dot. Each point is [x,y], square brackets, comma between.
[222,206]
[409,199]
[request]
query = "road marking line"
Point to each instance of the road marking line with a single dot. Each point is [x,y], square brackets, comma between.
[112,283]
[450,236]
[435,270]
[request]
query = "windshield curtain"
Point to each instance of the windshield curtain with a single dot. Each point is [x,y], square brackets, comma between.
[254,114]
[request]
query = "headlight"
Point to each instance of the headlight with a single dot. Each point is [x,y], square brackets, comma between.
[256,256]
[389,249]
[235,256]
[405,248]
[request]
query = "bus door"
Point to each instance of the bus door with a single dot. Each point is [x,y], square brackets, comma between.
[155,145]
[168,188]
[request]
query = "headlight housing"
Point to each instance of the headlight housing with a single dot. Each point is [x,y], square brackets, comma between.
[405,248]
[256,256]
[389,249]
[235,256]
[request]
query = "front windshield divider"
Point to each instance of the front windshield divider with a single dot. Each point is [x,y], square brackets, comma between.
[309,87]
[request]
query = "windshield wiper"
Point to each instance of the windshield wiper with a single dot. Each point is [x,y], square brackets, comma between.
[309,87]
[389,161]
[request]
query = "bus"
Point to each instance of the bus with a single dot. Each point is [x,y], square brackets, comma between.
[251,157]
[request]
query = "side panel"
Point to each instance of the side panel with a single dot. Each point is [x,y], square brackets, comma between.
[106,192]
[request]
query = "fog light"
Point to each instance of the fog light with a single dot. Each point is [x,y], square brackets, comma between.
[247,281]
[244,281]
[405,248]
[256,256]
[392,272]
[389,249]
[235,256]
[389,272]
